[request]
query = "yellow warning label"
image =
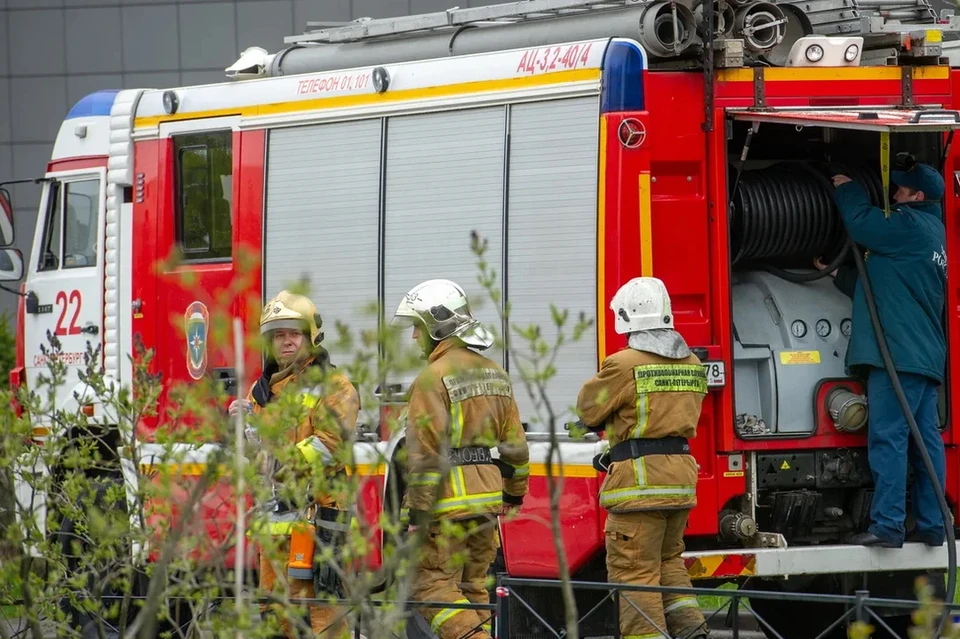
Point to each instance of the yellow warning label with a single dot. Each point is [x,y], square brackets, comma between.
[733,473]
[885,169]
[934,35]
[799,357]
[784,465]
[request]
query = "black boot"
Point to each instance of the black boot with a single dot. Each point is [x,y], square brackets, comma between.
[930,540]
[869,539]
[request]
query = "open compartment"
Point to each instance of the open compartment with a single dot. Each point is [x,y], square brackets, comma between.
[791,324]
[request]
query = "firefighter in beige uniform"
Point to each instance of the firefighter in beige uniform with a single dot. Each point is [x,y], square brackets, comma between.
[292,327]
[648,399]
[460,407]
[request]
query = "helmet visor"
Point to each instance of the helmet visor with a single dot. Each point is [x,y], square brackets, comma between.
[405,315]
[296,325]
[402,321]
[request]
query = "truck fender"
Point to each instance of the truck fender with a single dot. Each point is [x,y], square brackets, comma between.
[84,394]
[396,440]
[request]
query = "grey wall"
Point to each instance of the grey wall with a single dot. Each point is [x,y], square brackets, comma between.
[53,52]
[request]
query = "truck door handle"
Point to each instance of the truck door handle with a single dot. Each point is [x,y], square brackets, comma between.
[33,304]
[228,377]
[91,328]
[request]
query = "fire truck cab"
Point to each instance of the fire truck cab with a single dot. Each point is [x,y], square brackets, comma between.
[589,143]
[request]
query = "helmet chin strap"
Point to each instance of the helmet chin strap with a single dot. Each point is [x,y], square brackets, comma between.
[427,343]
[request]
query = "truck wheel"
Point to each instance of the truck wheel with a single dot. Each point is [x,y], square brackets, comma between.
[799,620]
[83,622]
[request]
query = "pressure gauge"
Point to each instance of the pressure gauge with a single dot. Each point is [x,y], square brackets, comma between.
[798,328]
[823,328]
[845,327]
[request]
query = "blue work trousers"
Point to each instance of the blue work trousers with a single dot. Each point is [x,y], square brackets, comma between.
[890,446]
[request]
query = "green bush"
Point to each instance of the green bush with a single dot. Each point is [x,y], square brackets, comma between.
[8,346]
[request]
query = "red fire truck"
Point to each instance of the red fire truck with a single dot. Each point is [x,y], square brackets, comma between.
[589,143]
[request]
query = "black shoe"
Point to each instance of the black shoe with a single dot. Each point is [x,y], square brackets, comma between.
[869,539]
[925,538]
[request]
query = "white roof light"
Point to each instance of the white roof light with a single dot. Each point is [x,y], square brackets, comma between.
[826,51]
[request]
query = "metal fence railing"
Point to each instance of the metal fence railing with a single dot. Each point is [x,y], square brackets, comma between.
[542,619]
[858,607]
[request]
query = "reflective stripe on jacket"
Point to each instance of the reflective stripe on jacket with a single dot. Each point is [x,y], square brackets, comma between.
[640,395]
[330,411]
[462,399]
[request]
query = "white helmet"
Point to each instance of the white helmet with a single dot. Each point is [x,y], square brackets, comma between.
[642,304]
[442,308]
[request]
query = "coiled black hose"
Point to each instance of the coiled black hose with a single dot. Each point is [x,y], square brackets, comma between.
[785,212]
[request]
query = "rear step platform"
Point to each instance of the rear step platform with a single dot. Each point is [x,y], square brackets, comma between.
[813,560]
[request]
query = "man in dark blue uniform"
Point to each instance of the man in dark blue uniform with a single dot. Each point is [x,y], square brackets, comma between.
[906,262]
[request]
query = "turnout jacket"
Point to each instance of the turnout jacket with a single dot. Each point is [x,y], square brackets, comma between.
[640,395]
[460,407]
[329,411]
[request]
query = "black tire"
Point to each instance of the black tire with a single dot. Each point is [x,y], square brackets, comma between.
[799,620]
[83,622]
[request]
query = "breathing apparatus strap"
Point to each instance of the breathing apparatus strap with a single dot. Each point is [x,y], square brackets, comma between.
[637,448]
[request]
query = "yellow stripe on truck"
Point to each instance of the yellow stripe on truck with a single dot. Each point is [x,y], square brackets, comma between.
[808,74]
[366,99]
[371,470]
[197,469]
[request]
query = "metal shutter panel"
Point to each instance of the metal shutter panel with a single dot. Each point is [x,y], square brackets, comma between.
[444,180]
[322,221]
[552,240]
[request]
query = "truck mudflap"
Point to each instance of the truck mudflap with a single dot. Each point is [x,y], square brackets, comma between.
[812,560]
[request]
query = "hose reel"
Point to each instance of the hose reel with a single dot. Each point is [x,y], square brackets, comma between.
[667,29]
[760,24]
[723,18]
[785,212]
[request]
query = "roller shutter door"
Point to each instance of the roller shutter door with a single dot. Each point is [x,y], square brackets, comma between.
[552,239]
[322,219]
[444,180]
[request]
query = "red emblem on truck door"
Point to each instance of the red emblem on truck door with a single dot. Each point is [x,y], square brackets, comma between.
[196,321]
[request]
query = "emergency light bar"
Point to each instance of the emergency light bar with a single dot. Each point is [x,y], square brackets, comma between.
[824,51]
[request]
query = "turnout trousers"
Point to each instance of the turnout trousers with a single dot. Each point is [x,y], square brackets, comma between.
[643,549]
[455,570]
[327,622]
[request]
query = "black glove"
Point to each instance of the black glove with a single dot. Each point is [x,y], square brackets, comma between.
[512,501]
[601,462]
[419,517]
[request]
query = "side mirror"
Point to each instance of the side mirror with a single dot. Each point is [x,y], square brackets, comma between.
[11,265]
[6,219]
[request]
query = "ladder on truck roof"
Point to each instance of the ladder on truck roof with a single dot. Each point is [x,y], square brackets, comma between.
[511,12]
[881,22]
